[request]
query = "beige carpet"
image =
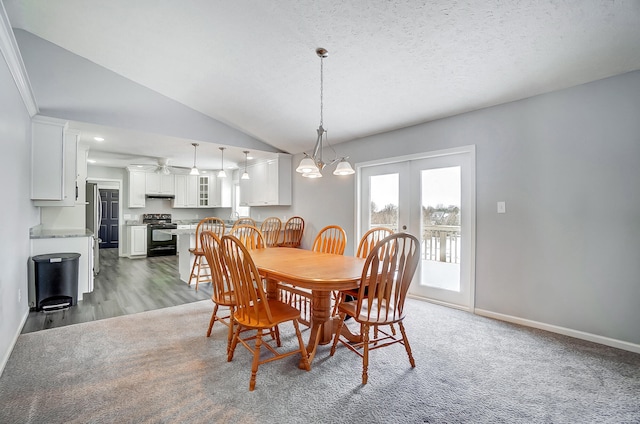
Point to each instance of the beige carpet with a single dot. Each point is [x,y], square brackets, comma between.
[158,367]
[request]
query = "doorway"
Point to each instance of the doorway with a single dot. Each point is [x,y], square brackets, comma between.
[110,215]
[431,196]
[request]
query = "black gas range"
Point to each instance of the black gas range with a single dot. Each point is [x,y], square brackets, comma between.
[159,243]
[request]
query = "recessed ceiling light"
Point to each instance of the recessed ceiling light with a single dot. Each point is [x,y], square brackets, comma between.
[98,138]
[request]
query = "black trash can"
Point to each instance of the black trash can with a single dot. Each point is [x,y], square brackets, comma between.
[56,276]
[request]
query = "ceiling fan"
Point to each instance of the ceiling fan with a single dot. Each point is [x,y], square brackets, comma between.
[162,166]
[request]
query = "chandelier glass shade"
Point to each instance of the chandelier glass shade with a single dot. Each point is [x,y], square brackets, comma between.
[311,166]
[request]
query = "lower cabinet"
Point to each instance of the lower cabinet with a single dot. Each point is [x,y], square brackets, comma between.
[137,239]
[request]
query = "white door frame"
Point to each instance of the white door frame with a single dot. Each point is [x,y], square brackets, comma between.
[471,150]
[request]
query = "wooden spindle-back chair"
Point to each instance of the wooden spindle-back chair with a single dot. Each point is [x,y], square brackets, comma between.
[200,269]
[386,276]
[255,311]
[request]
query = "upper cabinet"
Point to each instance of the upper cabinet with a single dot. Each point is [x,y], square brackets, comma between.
[269,183]
[159,183]
[137,188]
[54,163]
[186,191]
[189,191]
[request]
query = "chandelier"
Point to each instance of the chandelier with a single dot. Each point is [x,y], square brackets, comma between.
[312,166]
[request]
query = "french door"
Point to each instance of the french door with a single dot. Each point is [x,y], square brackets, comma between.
[431,196]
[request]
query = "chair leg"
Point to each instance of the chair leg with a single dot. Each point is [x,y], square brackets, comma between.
[193,268]
[234,343]
[230,333]
[336,337]
[406,345]
[213,319]
[339,297]
[365,354]
[198,274]
[256,361]
[303,350]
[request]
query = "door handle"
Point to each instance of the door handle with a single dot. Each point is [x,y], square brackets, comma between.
[404,227]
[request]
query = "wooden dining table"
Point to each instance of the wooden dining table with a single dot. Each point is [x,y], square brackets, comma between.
[321,273]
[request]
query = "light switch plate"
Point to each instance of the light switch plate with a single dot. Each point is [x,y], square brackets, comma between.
[502,207]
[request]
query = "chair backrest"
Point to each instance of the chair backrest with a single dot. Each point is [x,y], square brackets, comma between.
[212,247]
[246,281]
[270,229]
[386,276]
[249,236]
[331,239]
[292,232]
[213,224]
[245,220]
[370,239]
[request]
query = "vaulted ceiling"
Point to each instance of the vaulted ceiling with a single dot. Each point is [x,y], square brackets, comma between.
[252,64]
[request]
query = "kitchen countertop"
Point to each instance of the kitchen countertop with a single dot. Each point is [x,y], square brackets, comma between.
[133,223]
[39,233]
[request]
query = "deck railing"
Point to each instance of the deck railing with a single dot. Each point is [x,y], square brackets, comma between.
[441,243]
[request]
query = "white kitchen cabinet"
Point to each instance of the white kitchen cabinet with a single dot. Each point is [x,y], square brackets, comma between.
[159,183]
[137,239]
[186,191]
[270,183]
[224,187]
[54,159]
[137,188]
[206,191]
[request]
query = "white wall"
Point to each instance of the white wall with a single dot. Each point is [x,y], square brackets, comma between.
[17,214]
[566,163]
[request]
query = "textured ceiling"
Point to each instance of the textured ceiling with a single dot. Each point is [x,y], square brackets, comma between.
[252,64]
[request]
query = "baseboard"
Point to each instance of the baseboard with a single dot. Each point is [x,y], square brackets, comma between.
[7,354]
[620,344]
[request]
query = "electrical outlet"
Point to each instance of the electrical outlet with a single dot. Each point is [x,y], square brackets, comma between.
[502,207]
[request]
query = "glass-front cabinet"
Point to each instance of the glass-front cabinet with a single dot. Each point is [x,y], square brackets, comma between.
[204,192]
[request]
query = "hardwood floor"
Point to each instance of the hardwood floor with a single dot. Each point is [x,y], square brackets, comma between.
[124,286]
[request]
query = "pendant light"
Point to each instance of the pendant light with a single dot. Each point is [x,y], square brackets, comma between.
[194,170]
[245,175]
[311,166]
[222,174]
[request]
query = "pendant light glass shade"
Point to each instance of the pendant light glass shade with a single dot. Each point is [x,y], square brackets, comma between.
[222,174]
[245,174]
[194,170]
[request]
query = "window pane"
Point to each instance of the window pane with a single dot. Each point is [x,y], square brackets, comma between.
[384,201]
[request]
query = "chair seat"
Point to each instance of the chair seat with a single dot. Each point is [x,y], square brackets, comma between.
[227,298]
[198,252]
[351,307]
[280,312]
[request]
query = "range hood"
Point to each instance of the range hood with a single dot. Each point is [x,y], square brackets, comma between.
[160,196]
